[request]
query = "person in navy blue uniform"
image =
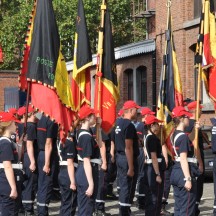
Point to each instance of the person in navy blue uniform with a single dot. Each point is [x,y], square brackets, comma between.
[120,116]
[127,151]
[47,132]
[185,169]
[200,157]
[29,163]
[66,177]
[88,163]
[142,132]
[111,168]
[154,167]
[103,175]
[9,167]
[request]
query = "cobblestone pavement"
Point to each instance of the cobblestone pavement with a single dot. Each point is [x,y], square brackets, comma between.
[112,206]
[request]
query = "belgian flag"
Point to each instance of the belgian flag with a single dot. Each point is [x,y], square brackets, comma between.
[170,92]
[50,86]
[209,48]
[81,82]
[107,91]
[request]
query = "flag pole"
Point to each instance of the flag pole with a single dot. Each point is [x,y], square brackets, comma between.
[196,146]
[168,5]
[23,137]
[99,66]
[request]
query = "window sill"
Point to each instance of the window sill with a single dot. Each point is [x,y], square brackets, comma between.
[191,23]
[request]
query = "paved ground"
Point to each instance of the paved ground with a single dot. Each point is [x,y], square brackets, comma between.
[112,206]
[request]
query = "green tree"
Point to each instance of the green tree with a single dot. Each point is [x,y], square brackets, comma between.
[15,16]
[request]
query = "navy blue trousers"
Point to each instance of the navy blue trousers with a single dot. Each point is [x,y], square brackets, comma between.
[101,193]
[45,185]
[30,185]
[68,196]
[7,206]
[127,184]
[110,175]
[86,204]
[167,184]
[141,186]
[185,200]
[154,193]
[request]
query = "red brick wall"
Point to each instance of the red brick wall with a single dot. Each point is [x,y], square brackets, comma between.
[7,80]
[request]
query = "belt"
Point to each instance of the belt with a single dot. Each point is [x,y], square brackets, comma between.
[121,153]
[14,166]
[96,161]
[149,161]
[190,160]
[65,163]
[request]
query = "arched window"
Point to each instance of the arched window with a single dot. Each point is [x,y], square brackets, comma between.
[141,83]
[129,73]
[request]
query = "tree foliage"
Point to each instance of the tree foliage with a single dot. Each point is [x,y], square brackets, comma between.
[14,19]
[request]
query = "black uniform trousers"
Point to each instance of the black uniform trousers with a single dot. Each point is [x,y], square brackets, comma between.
[127,184]
[141,187]
[30,185]
[101,193]
[68,196]
[8,206]
[45,184]
[110,175]
[167,184]
[154,192]
[200,184]
[86,204]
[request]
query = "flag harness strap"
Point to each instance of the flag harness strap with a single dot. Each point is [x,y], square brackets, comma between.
[14,166]
[177,157]
[96,161]
[148,160]
[61,162]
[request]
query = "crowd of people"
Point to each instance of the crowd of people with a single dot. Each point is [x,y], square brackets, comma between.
[33,161]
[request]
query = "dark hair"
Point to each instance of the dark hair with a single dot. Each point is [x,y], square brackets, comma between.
[148,127]
[176,121]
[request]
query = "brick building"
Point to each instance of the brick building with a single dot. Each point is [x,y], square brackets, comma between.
[139,64]
[185,25]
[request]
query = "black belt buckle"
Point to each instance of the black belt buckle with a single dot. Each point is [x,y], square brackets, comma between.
[80,162]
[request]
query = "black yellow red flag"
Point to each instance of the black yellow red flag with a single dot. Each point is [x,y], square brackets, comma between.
[209,49]
[46,68]
[170,92]
[81,83]
[108,97]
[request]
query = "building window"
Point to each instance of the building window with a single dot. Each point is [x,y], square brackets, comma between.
[198,8]
[129,73]
[141,83]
